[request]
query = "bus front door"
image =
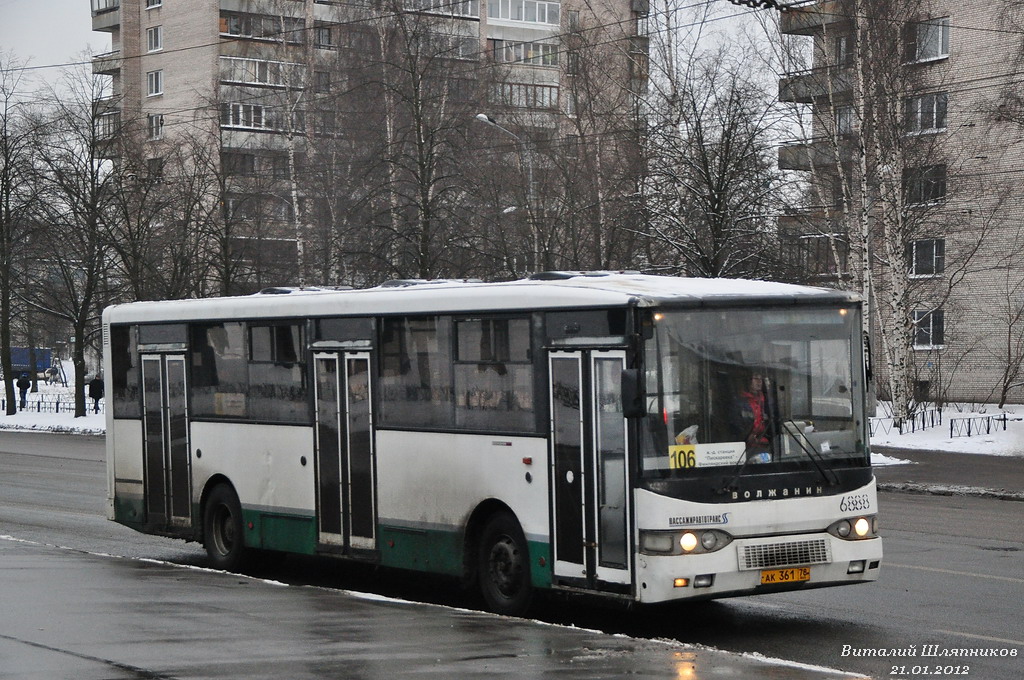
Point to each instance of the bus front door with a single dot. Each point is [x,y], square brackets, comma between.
[165,424]
[590,475]
[346,503]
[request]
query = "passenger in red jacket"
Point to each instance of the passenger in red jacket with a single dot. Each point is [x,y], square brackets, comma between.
[750,419]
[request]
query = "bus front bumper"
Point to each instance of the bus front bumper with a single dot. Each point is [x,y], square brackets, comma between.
[759,565]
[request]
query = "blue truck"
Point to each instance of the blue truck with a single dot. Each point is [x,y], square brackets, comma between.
[20,360]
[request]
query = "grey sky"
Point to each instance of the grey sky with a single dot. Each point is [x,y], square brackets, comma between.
[49,32]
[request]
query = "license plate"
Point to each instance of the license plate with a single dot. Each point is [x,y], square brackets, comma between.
[770,576]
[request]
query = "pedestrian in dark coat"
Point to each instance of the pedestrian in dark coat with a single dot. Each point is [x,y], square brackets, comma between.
[96,392]
[23,384]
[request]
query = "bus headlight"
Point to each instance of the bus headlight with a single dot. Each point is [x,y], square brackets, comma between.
[693,542]
[855,528]
[862,527]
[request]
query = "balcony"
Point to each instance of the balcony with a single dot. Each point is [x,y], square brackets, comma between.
[809,18]
[796,221]
[106,105]
[106,15]
[107,64]
[795,156]
[806,87]
[818,153]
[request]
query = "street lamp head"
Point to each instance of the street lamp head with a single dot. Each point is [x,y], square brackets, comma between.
[484,118]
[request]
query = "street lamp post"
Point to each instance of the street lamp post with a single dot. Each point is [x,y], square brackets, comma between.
[526,166]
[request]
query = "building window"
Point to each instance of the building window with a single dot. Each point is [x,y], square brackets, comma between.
[535,53]
[263,26]
[926,113]
[924,185]
[525,95]
[154,83]
[322,37]
[525,10]
[322,81]
[820,255]
[153,3]
[844,120]
[156,126]
[242,116]
[233,163]
[458,8]
[929,329]
[926,257]
[260,72]
[155,38]
[155,169]
[280,168]
[843,50]
[107,125]
[927,40]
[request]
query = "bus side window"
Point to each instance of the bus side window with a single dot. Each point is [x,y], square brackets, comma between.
[415,381]
[494,375]
[277,387]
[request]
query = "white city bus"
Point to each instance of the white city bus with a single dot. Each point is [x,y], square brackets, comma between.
[574,431]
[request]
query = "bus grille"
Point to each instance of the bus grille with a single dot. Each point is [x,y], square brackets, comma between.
[785,554]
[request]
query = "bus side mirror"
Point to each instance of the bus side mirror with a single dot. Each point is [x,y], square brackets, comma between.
[632,396]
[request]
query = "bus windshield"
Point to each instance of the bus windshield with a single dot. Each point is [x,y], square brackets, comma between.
[748,390]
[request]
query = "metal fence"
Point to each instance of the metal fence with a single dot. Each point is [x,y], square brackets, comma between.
[52,403]
[967,427]
[922,420]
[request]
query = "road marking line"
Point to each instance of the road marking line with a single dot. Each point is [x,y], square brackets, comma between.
[955,573]
[987,638]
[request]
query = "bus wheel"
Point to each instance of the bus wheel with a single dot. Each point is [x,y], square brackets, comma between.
[503,566]
[222,529]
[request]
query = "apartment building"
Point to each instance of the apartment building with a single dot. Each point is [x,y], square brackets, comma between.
[260,78]
[929,99]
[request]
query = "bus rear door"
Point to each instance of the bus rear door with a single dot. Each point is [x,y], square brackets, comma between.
[165,424]
[346,499]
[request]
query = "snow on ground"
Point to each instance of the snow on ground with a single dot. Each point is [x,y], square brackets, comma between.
[999,443]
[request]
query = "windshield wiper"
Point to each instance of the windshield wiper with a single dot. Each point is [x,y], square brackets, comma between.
[808,448]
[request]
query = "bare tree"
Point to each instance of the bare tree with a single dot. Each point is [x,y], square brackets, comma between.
[72,238]
[18,200]
[426,88]
[712,183]
[597,197]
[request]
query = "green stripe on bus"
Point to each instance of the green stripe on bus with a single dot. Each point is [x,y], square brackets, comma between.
[540,564]
[433,550]
[288,533]
[129,511]
[442,552]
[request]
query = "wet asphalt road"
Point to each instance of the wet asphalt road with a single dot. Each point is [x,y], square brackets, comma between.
[953,575]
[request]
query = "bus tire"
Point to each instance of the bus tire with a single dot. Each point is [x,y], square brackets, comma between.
[223,535]
[503,566]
